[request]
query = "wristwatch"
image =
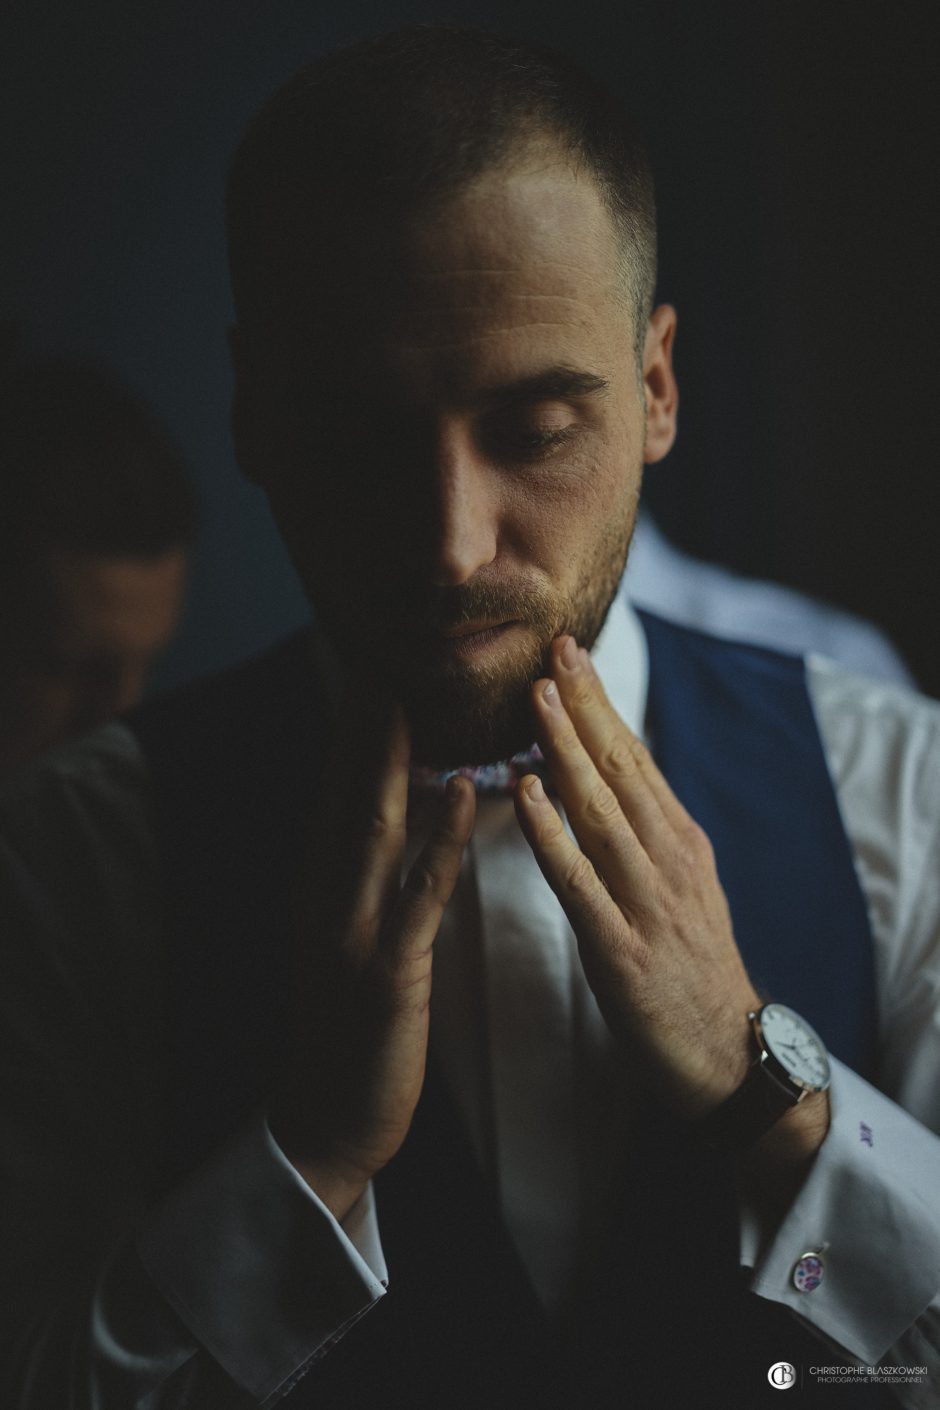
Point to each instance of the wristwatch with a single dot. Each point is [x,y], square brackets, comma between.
[792,1062]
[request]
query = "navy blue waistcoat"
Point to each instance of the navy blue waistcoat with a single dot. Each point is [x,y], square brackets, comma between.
[664,1317]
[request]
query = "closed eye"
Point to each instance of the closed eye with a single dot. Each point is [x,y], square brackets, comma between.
[531,445]
[528,431]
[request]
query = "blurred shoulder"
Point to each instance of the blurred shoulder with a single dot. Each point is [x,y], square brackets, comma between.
[92,787]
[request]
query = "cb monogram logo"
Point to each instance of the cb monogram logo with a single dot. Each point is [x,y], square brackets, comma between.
[782,1375]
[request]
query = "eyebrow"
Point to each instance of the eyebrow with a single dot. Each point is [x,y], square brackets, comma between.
[555,383]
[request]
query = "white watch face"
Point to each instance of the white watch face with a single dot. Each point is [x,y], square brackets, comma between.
[797,1047]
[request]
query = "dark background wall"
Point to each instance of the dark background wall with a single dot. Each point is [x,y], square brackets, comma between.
[795,151]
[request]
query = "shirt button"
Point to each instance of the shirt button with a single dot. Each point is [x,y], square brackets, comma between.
[808,1272]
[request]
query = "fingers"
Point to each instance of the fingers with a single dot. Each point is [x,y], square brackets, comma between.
[353,865]
[378,838]
[592,807]
[620,758]
[413,924]
[611,835]
[599,708]
[571,875]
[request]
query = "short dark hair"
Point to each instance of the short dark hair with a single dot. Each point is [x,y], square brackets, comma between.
[395,123]
[86,467]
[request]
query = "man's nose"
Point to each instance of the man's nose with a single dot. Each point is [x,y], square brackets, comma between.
[466,531]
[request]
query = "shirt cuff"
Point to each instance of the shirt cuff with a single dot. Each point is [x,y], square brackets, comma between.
[871,1197]
[257,1267]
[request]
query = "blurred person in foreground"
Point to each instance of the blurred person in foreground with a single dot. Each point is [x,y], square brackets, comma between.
[96,523]
[250,1155]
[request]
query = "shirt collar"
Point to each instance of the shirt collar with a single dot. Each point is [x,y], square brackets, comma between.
[621,659]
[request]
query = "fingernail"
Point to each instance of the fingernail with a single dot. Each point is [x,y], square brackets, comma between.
[550,695]
[569,654]
[534,789]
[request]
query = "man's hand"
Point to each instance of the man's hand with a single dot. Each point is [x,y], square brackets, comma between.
[358,1025]
[643,897]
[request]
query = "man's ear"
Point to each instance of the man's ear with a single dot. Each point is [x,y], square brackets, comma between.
[659,384]
[244,419]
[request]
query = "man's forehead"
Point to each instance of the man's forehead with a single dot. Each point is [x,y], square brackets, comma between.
[521,257]
[538,229]
[540,210]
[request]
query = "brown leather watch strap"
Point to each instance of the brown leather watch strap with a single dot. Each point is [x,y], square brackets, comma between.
[750,1111]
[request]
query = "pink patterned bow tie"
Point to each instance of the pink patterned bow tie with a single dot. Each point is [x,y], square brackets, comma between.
[488,779]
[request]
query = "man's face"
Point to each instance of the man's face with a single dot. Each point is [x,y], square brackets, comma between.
[456,463]
[79,645]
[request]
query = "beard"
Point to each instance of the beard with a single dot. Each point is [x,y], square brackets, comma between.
[469,712]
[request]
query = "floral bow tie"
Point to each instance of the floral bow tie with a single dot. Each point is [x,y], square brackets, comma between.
[488,779]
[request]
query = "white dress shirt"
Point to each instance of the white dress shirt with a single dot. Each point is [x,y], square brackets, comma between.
[529,1061]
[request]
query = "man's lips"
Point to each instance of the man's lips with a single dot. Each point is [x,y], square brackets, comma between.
[469,639]
[478,628]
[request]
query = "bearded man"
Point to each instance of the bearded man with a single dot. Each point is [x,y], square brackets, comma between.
[620,1168]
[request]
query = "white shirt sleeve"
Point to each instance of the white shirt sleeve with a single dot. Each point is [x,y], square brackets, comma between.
[239,1278]
[873,1194]
[871,1201]
[257,1268]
